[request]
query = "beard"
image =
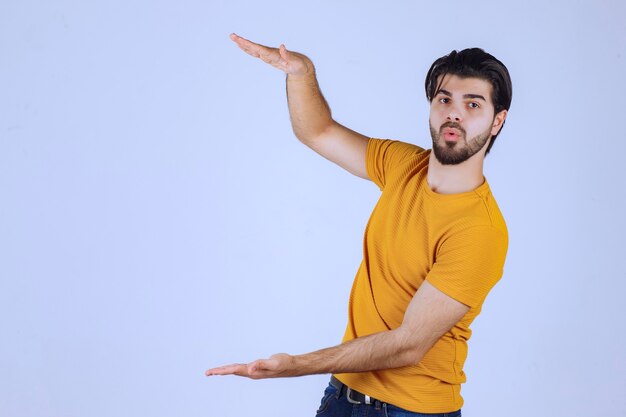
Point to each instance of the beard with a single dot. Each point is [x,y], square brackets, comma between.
[455,152]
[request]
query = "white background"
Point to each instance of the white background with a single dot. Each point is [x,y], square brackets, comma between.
[157,216]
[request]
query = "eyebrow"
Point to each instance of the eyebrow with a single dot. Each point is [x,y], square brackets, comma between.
[449,94]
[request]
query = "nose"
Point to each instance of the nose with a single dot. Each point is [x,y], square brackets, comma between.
[454,115]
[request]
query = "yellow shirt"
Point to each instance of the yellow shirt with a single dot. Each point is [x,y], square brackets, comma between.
[457,242]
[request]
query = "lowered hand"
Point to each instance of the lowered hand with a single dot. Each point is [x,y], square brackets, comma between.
[277,366]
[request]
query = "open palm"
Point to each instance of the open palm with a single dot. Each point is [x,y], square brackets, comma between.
[289,62]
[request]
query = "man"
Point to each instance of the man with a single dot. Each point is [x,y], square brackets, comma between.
[434,246]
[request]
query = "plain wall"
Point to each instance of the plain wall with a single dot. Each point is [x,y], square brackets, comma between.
[157,216]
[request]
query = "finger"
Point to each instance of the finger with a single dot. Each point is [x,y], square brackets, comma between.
[234,369]
[248,46]
[221,370]
[265,53]
[245,45]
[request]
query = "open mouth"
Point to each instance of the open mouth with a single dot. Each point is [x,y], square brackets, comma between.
[451,134]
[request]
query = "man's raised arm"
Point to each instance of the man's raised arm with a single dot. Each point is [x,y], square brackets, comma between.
[310,114]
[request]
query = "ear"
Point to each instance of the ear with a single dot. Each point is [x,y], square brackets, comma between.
[498,120]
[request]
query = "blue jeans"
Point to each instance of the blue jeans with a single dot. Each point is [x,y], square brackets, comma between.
[335,404]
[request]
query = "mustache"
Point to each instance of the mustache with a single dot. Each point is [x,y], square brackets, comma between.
[453,125]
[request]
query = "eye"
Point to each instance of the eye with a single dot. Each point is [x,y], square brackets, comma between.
[474,105]
[444,100]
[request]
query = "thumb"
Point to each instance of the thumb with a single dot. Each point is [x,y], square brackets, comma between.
[256,366]
[284,53]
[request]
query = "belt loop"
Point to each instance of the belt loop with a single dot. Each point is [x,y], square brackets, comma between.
[339,389]
[377,405]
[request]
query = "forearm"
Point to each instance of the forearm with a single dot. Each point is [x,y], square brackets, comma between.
[309,112]
[430,314]
[384,350]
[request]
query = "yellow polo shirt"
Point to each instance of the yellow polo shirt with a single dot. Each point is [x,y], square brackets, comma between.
[457,242]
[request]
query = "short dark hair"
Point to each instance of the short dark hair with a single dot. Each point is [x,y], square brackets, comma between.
[473,62]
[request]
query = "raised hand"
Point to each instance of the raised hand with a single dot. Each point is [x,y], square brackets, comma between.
[279,365]
[309,112]
[289,62]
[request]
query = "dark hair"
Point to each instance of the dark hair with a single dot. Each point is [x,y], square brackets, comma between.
[473,62]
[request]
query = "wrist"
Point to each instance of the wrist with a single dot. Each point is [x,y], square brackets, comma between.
[299,365]
[305,75]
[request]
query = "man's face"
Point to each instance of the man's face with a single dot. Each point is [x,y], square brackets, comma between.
[462,119]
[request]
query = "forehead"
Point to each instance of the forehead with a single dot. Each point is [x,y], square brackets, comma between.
[464,85]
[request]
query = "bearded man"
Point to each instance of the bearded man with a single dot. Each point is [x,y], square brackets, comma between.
[434,246]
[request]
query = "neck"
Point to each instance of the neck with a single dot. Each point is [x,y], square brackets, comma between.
[455,179]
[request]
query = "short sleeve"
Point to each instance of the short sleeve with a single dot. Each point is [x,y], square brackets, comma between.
[383,155]
[469,263]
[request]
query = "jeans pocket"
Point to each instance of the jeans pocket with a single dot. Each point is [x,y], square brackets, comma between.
[329,393]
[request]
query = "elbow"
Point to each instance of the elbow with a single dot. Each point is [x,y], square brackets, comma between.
[313,134]
[413,344]
[410,356]
[410,350]
[303,135]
